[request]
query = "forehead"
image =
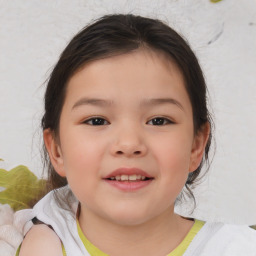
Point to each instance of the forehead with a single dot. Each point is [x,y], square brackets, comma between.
[139,73]
[144,55]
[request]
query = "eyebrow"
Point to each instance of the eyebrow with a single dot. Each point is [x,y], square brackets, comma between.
[92,101]
[161,101]
[106,103]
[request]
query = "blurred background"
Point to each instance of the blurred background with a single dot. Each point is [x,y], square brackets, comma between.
[223,36]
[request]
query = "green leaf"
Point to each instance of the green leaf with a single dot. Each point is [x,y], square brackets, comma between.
[215,1]
[22,187]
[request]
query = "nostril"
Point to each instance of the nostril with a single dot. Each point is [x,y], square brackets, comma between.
[119,152]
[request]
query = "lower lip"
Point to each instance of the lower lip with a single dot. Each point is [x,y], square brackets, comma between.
[129,186]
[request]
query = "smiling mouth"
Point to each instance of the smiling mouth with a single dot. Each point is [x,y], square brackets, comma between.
[130,178]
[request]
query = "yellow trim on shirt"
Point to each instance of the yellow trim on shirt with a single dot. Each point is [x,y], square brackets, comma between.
[182,247]
[63,250]
[178,251]
[18,251]
[92,249]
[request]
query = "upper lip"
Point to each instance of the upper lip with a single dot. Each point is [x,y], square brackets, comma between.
[127,171]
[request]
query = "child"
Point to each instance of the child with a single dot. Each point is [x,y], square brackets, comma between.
[126,126]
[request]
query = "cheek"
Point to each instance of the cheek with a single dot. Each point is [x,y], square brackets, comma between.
[82,169]
[81,156]
[173,153]
[173,160]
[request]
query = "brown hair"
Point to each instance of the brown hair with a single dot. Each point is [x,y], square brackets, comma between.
[118,34]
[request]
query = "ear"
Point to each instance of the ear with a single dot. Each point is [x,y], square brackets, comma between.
[198,148]
[54,152]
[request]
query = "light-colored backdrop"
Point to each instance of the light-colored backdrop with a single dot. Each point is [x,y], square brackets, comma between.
[223,35]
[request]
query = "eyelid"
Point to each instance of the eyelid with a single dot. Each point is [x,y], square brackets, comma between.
[85,121]
[168,119]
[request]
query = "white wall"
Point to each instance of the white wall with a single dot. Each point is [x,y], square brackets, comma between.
[33,33]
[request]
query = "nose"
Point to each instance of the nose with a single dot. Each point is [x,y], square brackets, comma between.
[129,142]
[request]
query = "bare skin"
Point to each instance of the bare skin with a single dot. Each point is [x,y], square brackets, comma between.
[41,241]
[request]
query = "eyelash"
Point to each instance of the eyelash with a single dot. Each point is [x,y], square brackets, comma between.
[97,119]
[163,121]
[159,121]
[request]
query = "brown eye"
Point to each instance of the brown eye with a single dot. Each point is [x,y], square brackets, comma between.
[96,121]
[159,121]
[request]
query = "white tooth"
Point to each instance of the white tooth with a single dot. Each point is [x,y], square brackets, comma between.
[124,177]
[132,177]
[138,177]
[143,177]
[118,177]
[112,178]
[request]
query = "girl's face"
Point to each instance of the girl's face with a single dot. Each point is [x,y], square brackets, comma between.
[126,117]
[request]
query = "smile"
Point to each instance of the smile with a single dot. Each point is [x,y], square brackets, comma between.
[125,177]
[129,179]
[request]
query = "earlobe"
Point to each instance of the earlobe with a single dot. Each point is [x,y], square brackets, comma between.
[54,152]
[199,144]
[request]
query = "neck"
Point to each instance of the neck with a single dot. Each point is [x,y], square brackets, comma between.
[158,236]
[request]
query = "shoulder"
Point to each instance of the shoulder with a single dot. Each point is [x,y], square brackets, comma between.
[238,232]
[229,239]
[41,240]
